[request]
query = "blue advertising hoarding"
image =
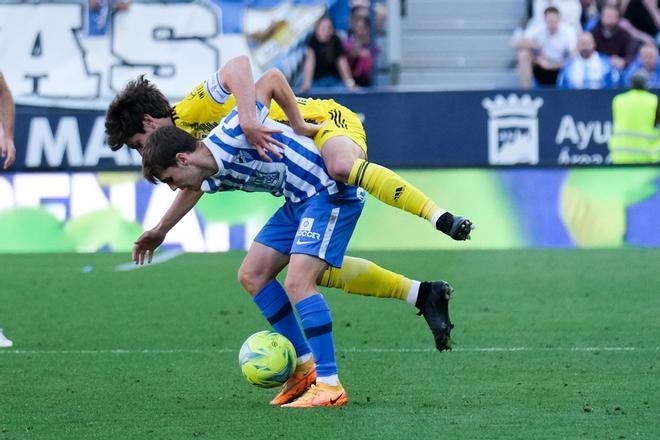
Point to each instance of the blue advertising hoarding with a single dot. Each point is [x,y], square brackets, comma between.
[551,128]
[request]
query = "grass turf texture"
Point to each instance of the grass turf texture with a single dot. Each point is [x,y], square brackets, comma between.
[62,379]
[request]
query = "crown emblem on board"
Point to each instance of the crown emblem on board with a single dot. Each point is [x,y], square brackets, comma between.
[512,106]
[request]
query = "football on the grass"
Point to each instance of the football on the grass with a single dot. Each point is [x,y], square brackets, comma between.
[267,359]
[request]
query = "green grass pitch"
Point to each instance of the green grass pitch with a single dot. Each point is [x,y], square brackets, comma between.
[557,344]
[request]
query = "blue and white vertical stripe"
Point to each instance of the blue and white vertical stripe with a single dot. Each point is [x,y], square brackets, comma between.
[299,174]
[595,72]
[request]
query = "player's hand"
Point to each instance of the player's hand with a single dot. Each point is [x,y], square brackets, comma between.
[261,138]
[147,244]
[8,151]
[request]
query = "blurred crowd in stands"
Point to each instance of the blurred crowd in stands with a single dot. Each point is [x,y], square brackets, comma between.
[335,59]
[588,44]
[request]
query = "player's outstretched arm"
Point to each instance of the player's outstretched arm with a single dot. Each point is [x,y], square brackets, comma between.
[236,77]
[7,117]
[273,85]
[149,241]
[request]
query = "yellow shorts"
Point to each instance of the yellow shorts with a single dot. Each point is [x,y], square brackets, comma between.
[335,120]
[341,122]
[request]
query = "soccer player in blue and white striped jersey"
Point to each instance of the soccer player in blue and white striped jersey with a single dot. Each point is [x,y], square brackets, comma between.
[298,174]
[308,233]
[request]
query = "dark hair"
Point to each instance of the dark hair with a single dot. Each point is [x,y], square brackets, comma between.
[125,115]
[639,79]
[324,17]
[551,10]
[358,8]
[161,149]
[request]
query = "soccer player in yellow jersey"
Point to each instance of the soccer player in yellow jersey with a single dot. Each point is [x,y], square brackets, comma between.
[341,139]
[140,109]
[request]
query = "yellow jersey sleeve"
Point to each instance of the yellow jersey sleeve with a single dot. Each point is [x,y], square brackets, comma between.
[203,108]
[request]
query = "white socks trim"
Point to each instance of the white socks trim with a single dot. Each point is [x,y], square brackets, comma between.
[329,380]
[413,292]
[304,358]
[436,216]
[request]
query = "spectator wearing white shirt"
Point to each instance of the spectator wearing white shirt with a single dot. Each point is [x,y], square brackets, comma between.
[588,69]
[543,50]
[570,11]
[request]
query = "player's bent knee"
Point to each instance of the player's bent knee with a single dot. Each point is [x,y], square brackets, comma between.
[266,77]
[339,168]
[298,287]
[251,280]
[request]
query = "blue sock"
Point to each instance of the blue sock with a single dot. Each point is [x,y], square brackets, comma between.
[317,323]
[276,307]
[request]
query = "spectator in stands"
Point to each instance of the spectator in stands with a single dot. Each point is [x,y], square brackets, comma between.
[647,61]
[7,148]
[637,35]
[569,10]
[612,39]
[634,120]
[358,12]
[360,52]
[325,62]
[588,69]
[543,50]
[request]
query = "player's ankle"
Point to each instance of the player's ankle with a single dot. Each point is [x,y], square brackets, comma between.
[424,291]
[332,380]
[445,222]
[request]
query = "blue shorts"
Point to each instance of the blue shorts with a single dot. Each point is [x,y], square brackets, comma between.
[320,226]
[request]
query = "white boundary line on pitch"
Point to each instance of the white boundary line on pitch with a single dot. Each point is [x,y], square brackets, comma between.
[346,350]
[160,258]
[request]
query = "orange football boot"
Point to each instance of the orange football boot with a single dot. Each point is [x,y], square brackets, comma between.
[302,378]
[320,394]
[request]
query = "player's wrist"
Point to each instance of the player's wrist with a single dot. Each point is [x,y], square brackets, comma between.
[162,228]
[247,123]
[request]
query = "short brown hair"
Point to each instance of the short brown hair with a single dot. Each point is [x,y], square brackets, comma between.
[161,149]
[125,115]
[551,10]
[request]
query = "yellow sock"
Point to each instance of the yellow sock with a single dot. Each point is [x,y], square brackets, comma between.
[389,187]
[363,277]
